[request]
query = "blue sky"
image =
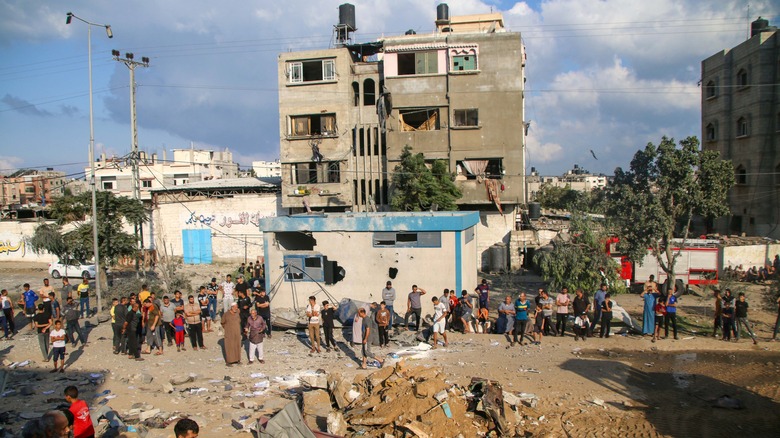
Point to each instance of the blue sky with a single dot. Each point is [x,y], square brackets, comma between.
[606,75]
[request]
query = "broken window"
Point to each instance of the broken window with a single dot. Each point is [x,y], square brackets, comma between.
[711,90]
[313,172]
[466,117]
[711,132]
[313,125]
[480,167]
[464,62]
[419,119]
[303,268]
[741,175]
[406,239]
[334,172]
[295,241]
[418,63]
[312,71]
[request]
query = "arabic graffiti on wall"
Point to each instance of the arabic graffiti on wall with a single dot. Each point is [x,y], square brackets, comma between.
[226,221]
[7,248]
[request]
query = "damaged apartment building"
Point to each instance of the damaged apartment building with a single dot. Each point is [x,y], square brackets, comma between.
[456,94]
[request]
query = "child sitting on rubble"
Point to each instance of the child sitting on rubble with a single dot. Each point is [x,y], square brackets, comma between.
[581,325]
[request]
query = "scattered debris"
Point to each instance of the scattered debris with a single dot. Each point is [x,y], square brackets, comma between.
[728,402]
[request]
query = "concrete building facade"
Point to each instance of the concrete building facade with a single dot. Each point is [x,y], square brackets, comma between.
[577,179]
[456,94]
[741,120]
[304,253]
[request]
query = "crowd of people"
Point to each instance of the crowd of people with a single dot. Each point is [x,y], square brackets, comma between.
[754,274]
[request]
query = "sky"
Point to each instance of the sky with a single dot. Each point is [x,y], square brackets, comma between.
[606,76]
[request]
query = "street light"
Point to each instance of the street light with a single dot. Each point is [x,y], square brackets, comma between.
[69,17]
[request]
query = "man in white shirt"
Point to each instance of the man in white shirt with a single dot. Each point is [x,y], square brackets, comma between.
[313,312]
[439,321]
[228,290]
[57,338]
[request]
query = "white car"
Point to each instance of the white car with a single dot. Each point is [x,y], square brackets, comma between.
[74,269]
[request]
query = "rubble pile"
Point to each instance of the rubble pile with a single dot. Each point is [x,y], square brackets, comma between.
[404,401]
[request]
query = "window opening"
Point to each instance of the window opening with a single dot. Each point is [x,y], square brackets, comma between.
[418,63]
[419,119]
[742,127]
[369,92]
[480,167]
[467,117]
[741,175]
[464,62]
[312,125]
[312,71]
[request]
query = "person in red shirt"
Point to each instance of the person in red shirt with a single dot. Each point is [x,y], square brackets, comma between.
[82,422]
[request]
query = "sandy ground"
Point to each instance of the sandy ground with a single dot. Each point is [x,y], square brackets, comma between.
[621,386]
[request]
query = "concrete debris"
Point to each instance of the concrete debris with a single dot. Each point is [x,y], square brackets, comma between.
[145,415]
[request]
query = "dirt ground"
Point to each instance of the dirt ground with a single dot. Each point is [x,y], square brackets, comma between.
[621,386]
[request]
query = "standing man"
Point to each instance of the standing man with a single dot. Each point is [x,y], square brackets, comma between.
[83,291]
[8,310]
[439,321]
[606,317]
[466,311]
[72,325]
[120,315]
[580,306]
[42,321]
[212,290]
[741,316]
[483,292]
[228,288]
[153,320]
[203,300]
[562,302]
[522,306]
[82,422]
[66,291]
[255,332]
[598,301]
[388,296]
[231,326]
[414,307]
[192,315]
[168,312]
[45,289]
[365,332]
[130,331]
[328,316]
[244,303]
[313,313]
[546,303]
[506,316]
[177,301]
[649,296]
[29,297]
[263,305]
[54,307]
[718,312]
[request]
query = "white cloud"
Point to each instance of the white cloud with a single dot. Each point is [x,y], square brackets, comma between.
[9,164]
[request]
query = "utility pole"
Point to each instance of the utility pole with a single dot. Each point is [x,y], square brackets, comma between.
[134,155]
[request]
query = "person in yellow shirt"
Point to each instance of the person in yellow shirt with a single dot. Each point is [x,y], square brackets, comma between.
[144,294]
[83,291]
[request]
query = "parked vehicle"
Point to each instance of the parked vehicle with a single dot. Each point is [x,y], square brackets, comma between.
[72,269]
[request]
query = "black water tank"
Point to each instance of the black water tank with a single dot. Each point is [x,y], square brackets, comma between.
[534,210]
[443,13]
[758,25]
[347,15]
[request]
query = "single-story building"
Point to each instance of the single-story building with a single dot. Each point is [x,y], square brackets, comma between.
[353,255]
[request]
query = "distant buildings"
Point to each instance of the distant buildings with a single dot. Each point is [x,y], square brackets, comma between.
[740,118]
[577,179]
[187,166]
[31,188]
[267,169]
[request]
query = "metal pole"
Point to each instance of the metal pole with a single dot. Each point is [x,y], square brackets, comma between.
[95,246]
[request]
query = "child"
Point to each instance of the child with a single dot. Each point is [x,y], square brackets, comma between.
[178,329]
[328,314]
[660,313]
[483,318]
[57,338]
[82,423]
[383,321]
[728,320]
[581,326]
[538,325]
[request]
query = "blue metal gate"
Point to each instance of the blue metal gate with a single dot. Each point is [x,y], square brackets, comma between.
[197,246]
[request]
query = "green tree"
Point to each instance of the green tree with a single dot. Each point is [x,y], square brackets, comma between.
[576,257]
[76,244]
[417,188]
[566,198]
[654,201]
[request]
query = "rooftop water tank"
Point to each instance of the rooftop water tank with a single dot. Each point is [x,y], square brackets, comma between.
[347,16]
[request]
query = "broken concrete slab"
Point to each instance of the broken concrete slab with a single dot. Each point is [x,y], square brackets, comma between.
[316,407]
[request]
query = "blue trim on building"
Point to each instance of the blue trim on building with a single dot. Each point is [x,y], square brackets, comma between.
[458,262]
[414,221]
